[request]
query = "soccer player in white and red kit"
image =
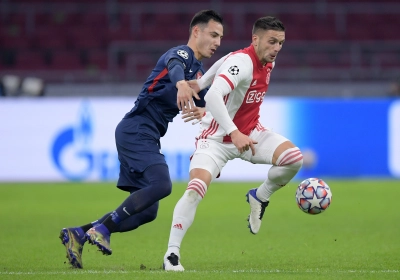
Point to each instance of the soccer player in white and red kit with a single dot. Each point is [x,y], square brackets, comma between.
[231,129]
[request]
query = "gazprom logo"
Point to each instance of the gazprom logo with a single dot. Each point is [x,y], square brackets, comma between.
[74,155]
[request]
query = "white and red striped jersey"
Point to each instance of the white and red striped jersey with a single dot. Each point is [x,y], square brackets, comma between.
[242,81]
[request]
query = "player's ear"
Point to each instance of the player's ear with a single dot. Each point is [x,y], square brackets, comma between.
[195,31]
[255,39]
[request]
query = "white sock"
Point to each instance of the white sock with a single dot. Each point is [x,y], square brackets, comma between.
[287,166]
[184,213]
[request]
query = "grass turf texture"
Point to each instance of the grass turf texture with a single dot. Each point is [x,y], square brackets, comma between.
[358,237]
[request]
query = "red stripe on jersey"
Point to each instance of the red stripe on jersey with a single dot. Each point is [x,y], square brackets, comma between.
[214,125]
[226,98]
[259,127]
[226,79]
[195,145]
[156,79]
[212,129]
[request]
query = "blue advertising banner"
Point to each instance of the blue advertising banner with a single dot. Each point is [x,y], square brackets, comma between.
[72,139]
[347,138]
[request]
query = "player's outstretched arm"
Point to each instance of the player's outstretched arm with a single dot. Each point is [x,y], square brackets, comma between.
[184,98]
[208,77]
[216,105]
[185,94]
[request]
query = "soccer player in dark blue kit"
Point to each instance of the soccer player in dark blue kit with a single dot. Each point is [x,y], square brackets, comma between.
[143,169]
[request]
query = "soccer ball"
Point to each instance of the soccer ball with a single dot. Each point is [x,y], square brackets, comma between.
[313,196]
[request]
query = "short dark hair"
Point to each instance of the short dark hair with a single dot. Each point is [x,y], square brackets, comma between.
[203,17]
[268,23]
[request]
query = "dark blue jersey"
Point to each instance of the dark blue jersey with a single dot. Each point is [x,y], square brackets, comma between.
[157,99]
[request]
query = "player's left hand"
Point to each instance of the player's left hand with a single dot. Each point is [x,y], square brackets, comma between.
[195,113]
[194,85]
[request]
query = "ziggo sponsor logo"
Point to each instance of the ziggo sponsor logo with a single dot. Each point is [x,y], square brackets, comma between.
[254,96]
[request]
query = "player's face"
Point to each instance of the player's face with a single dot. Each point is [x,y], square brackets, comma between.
[267,44]
[208,39]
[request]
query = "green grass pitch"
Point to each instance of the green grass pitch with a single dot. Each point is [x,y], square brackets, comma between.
[358,237]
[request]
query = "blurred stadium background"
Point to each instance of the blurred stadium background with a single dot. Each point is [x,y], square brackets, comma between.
[336,80]
[346,48]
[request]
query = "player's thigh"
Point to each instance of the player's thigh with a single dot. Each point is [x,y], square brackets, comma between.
[136,154]
[212,156]
[203,167]
[268,142]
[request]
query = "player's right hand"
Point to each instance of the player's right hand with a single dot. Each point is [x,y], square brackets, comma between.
[184,99]
[243,142]
[195,113]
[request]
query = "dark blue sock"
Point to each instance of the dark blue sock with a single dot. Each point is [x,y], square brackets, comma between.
[101,220]
[112,221]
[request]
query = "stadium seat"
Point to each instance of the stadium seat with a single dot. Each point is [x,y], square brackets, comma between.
[49,37]
[66,60]
[94,19]
[342,60]
[287,60]
[30,60]
[386,60]
[79,32]
[17,43]
[318,60]
[98,58]
[85,37]
[359,33]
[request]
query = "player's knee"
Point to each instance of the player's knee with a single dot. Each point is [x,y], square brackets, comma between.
[150,213]
[291,158]
[295,166]
[159,179]
[164,187]
[192,196]
[195,191]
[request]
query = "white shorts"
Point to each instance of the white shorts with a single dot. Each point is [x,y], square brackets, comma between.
[218,154]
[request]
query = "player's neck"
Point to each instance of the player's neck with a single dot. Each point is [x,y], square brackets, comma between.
[197,54]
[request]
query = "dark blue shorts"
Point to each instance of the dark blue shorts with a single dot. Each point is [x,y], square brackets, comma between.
[137,149]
